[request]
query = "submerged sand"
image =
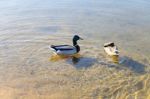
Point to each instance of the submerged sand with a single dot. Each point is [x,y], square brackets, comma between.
[28,71]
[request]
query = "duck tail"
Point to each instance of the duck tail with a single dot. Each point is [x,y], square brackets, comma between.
[52,46]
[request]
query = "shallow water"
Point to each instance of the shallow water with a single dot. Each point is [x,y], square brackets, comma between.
[28,68]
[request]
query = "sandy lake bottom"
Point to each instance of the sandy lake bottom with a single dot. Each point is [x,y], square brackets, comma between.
[29,70]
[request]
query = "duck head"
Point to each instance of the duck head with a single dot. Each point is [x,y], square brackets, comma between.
[75,39]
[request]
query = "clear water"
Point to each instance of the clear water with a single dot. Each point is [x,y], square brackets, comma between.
[28,27]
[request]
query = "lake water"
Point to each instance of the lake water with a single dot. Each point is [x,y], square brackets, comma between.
[29,27]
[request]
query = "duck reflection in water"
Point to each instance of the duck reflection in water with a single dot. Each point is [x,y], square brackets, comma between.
[115,58]
[75,58]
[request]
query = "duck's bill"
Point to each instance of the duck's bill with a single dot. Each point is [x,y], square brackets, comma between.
[81,38]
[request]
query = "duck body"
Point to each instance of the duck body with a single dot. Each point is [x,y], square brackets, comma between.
[111,49]
[64,49]
[67,49]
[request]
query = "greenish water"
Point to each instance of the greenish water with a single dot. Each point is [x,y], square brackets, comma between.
[28,27]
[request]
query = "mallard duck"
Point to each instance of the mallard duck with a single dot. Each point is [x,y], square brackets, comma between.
[67,49]
[111,49]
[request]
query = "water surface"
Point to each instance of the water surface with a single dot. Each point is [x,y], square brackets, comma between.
[28,27]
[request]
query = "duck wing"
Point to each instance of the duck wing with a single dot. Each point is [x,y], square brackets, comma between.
[62,47]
